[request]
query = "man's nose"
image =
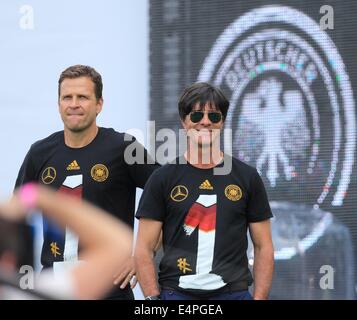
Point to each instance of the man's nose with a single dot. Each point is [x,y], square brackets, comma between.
[74,102]
[205,120]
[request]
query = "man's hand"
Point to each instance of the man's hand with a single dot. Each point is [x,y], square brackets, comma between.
[12,209]
[126,275]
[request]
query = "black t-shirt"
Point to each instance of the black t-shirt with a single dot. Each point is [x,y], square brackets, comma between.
[96,172]
[205,219]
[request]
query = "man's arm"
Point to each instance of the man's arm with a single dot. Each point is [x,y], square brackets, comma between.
[263,258]
[27,171]
[139,173]
[148,237]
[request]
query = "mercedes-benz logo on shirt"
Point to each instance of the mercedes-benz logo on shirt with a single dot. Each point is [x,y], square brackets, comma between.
[179,193]
[48,175]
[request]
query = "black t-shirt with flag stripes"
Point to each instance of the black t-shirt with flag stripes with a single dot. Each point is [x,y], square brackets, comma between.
[96,172]
[205,218]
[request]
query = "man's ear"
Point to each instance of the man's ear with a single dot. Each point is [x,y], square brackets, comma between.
[183,123]
[100,105]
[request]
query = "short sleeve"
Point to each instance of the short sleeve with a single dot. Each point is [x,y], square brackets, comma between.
[258,204]
[152,203]
[27,172]
[141,165]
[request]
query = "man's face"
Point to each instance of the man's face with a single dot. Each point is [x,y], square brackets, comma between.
[78,105]
[204,132]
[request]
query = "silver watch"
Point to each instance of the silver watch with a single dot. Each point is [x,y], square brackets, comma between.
[153,297]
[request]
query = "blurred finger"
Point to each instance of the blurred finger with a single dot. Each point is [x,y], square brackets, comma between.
[119,273]
[133,283]
[126,281]
[119,278]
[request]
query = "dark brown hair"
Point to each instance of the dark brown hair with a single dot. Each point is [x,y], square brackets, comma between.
[202,93]
[79,70]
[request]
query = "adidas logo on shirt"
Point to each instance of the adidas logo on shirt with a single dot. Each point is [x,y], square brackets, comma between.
[206,185]
[73,166]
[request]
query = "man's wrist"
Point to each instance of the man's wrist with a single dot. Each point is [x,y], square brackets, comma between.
[157,297]
[260,297]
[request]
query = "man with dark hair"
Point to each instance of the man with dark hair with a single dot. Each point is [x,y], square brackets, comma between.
[78,71]
[86,161]
[204,216]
